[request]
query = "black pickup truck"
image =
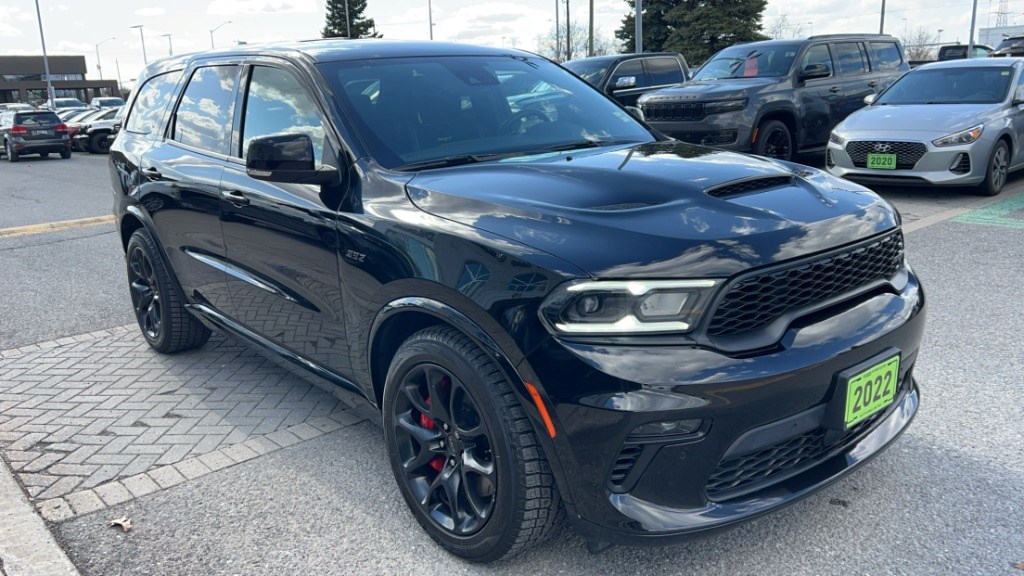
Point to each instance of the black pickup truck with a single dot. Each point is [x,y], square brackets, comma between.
[627,77]
[777,97]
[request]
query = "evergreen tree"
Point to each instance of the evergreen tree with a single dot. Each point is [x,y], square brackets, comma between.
[335,26]
[695,28]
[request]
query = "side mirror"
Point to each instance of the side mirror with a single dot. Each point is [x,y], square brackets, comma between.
[636,112]
[625,82]
[285,158]
[870,98]
[812,71]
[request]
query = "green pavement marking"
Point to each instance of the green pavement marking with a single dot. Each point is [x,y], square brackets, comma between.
[998,214]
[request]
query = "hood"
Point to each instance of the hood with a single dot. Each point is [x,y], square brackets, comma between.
[698,90]
[931,118]
[652,210]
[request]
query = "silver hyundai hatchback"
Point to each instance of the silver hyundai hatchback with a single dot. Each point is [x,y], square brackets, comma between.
[954,123]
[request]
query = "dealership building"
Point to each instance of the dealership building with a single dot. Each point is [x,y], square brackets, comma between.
[23,79]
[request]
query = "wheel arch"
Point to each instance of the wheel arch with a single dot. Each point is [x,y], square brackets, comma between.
[134,218]
[782,113]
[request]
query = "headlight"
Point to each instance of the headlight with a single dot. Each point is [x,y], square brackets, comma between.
[627,307]
[725,106]
[965,137]
[835,138]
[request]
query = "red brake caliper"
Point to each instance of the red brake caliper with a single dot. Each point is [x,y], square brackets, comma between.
[426,422]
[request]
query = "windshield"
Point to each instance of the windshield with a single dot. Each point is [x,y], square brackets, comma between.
[36,119]
[590,70]
[411,112]
[984,85]
[1008,42]
[67,102]
[747,61]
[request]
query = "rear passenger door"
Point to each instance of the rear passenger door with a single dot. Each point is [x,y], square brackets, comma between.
[855,78]
[282,239]
[886,60]
[183,172]
[818,99]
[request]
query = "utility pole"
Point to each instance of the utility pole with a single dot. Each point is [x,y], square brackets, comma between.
[881,21]
[170,47]
[568,34]
[970,42]
[640,26]
[590,37]
[117,65]
[348,24]
[46,59]
[558,34]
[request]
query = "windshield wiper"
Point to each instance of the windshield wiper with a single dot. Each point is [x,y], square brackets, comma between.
[458,160]
[579,145]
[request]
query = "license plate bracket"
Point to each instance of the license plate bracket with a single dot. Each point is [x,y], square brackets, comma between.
[852,385]
[882,161]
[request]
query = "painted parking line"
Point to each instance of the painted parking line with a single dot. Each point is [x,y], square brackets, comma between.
[1008,213]
[955,214]
[30,229]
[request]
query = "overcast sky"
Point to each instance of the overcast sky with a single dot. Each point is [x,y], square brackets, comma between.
[75,26]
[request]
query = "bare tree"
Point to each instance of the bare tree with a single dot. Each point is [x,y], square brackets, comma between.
[919,43]
[783,27]
[546,42]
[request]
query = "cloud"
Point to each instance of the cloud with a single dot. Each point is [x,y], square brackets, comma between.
[69,47]
[150,11]
[235,7]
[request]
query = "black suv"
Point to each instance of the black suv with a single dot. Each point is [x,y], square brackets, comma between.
[554,309]
[777,97]
[33,132]
[627,77]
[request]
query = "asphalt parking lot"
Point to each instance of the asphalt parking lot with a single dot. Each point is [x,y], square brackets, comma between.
[229,465]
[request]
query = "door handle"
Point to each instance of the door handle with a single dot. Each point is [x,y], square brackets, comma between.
[235,197]
[834,89]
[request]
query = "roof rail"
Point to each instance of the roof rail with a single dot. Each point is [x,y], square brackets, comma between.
[841,36]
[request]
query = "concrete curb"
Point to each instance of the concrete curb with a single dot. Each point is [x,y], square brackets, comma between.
[26,546]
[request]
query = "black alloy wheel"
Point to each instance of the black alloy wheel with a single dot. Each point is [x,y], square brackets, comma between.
[774,141]
[445,449]
[98,144]
[463,451]
[145,292]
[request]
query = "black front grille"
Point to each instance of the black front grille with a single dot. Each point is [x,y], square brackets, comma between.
[673,111]
[751,472]
[907,153]
[748,185]
[706,138]
[756,300]
[963,164]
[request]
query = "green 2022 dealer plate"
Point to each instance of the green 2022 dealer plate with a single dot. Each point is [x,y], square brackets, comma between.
[871,390]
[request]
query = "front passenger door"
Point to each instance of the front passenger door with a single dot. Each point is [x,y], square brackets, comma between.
[628,82]
[282,239]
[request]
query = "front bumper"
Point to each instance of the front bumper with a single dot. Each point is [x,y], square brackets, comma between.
[601,393]
[729,130]
[932,169]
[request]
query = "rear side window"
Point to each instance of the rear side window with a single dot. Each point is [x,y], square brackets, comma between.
[148,108]
[664,71]
[36,119]
[632,68]
[205,113]
[885,55]
[277,104]
[852,60]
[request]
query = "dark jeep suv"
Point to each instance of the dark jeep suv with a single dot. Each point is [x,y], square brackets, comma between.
[555,310]
[777,97]
[33,132]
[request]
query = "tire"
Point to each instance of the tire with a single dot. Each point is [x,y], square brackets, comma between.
[12,156]
[159,308]
[996,171]
[98,144]
[774,140]
[65,154]
[518,497]
[44,154]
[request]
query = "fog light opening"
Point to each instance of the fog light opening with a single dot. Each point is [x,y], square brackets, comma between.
[668,428]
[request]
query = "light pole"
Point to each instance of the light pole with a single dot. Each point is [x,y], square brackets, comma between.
[142,37]
[811,24]
[99,67]
[348,25]
[170,47]
[46,59]
[219,26]
[558,36]
[970,41]
[430,17]
[639,26]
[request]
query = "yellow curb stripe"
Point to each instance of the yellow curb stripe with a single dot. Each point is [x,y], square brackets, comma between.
[53,226]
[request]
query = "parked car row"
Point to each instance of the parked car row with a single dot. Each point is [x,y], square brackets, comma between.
[28,131]
[956,122]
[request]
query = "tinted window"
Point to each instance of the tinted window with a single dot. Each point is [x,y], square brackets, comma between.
[277,103]
[817,55]
[36,119]
[885,55]
[205,113]
[664,71]
[749,61]
[415,110]
[149,105]
[984,85]
[632,68]
[851,58]
[590,70]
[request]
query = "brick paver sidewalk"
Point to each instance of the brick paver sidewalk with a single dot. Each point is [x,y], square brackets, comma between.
[94,420]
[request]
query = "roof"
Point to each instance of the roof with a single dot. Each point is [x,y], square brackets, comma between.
[972,63]
[612,57]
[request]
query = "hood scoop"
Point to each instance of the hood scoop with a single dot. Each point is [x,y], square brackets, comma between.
[748,186]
